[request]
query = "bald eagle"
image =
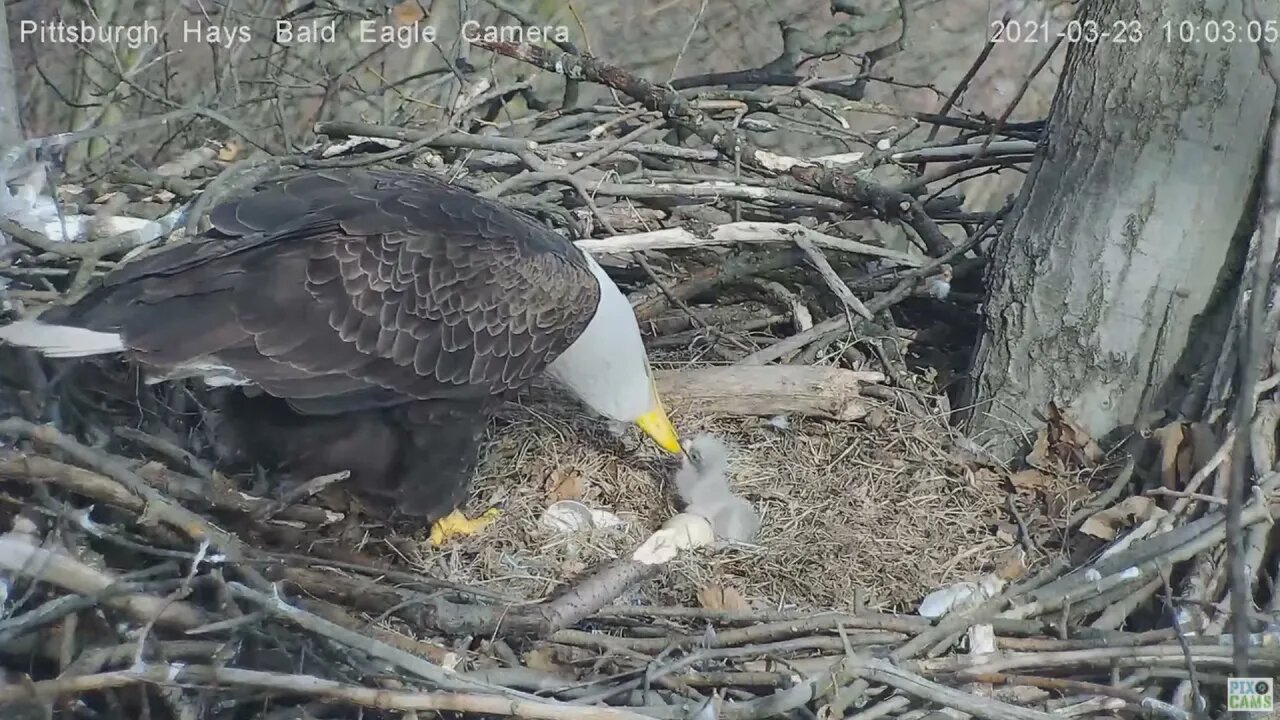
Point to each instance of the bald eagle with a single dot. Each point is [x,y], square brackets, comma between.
[353,291]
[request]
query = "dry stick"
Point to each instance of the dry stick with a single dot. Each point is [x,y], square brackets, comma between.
[729,648]
[12,156]
[84,250]
[1062,684]
[298,494]
[461,141]
[950,626]
[182,592]
[1140,560]
[717,189]
[373,647]
[170,449]
[90,484]
[732,144]
[297,561]
[1251,357]
[19,556]
[96,486]
[1169,655]
[1106,497]
[1026,82]
[579,602]
[883,672]
[949,153]
[531,177]
[684,47]
[739,233]
[694,318]
[570,96]
[833,326]
[177,675]
[833,280]
[1219,456]
[195,527]
[419,667]
[967,78]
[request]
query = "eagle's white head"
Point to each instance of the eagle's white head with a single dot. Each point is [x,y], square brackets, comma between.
[607,368]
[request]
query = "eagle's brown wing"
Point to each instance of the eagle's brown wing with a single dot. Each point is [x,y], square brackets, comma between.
[343,290]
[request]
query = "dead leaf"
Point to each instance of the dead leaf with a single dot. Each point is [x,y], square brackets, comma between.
[113,197]
[565,485]
[981,477]
[720,597]
[1133,511]
[1060,503]
[1063,445]
[1030,479]
[543,659]
[1170,437]
[1011,564]
[1007,533]
[407,13]
[229,151]
[1039,455]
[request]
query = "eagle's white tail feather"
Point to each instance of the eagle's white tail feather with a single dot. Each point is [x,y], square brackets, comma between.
[60,341]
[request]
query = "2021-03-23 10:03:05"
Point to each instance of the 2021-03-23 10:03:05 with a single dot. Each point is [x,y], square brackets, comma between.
[1122,31]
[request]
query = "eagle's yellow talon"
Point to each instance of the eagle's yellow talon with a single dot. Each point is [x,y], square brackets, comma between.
[455,524]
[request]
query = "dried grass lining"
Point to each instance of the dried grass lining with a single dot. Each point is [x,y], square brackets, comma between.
[851,513]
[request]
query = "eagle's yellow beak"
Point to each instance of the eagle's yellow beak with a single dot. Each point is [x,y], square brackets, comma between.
[657,425]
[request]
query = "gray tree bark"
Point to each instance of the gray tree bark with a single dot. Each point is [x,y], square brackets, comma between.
[10,126]
[1127,225]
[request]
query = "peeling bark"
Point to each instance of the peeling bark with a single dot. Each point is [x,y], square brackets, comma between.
[1125,227]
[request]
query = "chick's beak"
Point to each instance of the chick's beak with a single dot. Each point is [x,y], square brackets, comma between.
[656,425]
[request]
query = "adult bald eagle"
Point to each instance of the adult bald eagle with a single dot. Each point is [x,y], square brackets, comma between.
[359,291]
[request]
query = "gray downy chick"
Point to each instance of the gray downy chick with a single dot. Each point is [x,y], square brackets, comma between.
[703,484]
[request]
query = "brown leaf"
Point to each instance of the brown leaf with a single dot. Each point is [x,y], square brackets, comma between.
[230,151]
[1011,564]
[407,13]
[1061,502]
[720,597]
[565,485]
[1007,533]
[1039,455]
[543,659]
[1031,479]
[1170,437]
[1133,511]
[1063,445]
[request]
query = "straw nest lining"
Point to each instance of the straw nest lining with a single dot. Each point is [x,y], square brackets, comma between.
[852,513]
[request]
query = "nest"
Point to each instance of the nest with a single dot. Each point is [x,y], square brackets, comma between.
[898,570]
[853,515]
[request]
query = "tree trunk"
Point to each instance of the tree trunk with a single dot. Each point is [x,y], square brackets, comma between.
[10,127]
[1126,226]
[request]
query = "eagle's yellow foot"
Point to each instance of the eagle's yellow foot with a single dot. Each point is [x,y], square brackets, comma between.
[455,524]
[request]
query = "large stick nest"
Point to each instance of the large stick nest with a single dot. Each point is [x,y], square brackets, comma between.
[138,556]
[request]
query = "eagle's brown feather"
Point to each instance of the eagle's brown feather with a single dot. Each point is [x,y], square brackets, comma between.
[347,284]
[397,305]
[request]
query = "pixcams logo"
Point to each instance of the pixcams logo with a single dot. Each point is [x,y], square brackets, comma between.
[1251,695]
